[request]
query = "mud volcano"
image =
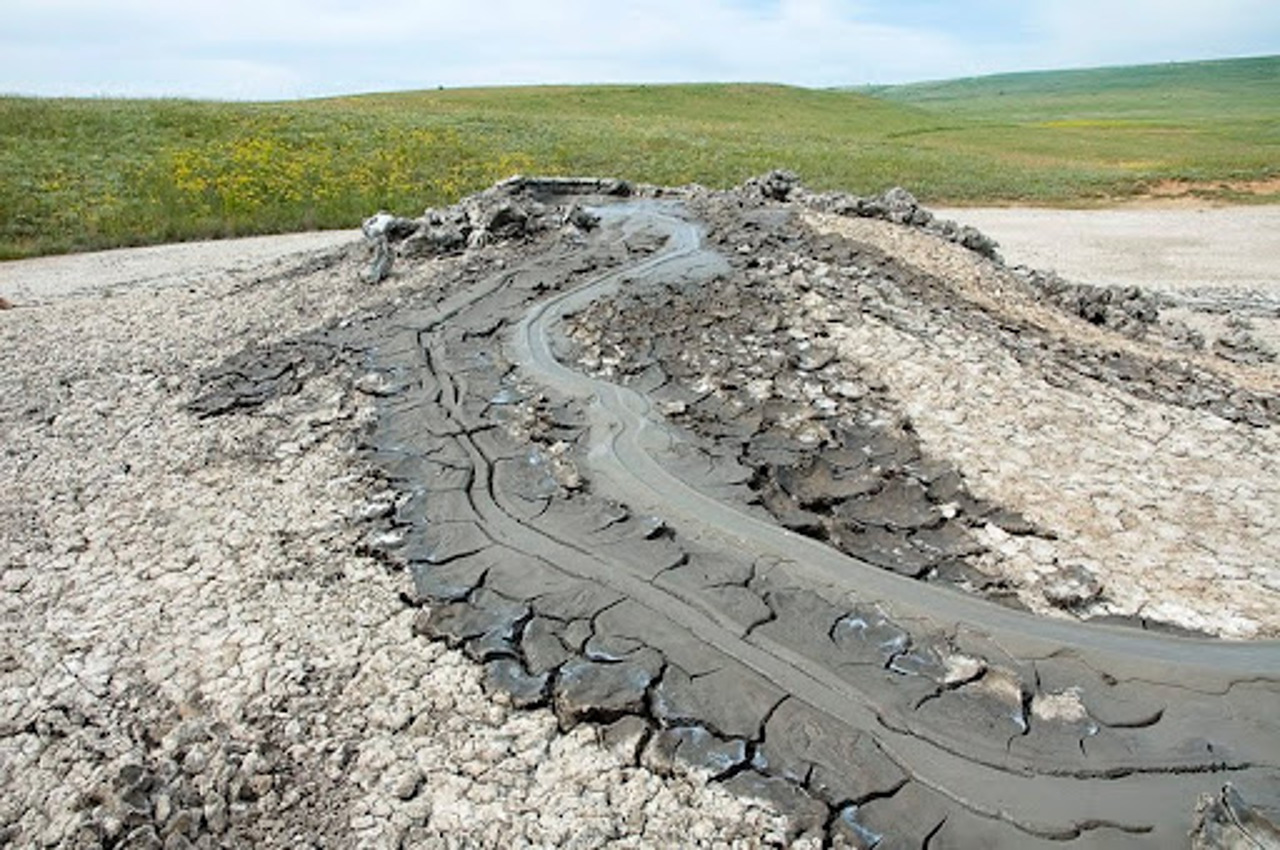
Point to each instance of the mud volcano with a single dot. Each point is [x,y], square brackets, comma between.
[813,494]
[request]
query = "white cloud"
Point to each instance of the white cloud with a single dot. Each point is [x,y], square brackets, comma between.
[287,48]
[1106,31]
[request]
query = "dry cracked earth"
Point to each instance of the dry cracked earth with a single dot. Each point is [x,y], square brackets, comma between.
[583,514]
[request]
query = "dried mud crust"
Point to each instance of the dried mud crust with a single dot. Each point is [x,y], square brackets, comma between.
[199,648]
[307,437]
[919,406]
[594,563]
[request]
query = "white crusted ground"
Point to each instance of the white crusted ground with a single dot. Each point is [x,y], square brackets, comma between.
[190,645]
[1175,511]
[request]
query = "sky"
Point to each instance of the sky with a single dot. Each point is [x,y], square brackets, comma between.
[284,49]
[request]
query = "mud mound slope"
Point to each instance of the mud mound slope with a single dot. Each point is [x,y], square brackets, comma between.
[795,502]
[812,494]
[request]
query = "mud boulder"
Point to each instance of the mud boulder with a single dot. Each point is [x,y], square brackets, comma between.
[380,229]
[902,207]
[384,225]
[434,239]
[777,185]
[580,218]
[502,217]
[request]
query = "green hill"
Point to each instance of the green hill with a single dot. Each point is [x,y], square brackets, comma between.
[78,174]
[1221,90]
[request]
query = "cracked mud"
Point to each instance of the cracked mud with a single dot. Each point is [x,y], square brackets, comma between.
[803,494]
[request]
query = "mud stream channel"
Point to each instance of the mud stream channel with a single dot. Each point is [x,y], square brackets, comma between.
[814,495]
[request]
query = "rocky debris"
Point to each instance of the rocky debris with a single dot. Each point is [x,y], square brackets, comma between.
[1224,821]
[899,206]
[895,205]
[1125,309]
[1139,315]
[1239,345]
[777,185]
[514,209]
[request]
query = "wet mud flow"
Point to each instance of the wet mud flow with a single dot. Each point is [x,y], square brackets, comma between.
[739,559]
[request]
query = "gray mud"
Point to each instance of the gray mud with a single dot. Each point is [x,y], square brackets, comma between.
[618,441]
[735,586]
[752,367]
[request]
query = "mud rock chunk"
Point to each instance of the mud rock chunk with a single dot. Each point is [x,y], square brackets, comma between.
[379,231]
[380,262]
[580,218]
[808,816]
[508,676]
[1226,822]
[502,217]
[485,626]
[599,692]
[901,207]
[694,747]
[434,239]
[1072,586]
[777,185]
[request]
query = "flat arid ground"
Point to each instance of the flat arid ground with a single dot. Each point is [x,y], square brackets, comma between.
[1166,247]
[602,493]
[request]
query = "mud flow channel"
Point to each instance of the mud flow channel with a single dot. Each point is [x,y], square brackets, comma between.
[654,466]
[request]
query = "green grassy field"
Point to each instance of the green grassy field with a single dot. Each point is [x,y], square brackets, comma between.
[1230,89]
[80,174]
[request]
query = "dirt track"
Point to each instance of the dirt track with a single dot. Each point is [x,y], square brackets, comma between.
[159,266]
[191,446]
[1163,248]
